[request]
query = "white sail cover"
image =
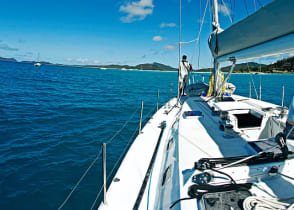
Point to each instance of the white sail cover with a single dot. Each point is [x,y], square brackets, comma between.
[271,24]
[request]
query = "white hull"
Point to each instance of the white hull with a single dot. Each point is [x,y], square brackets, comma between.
[38,64]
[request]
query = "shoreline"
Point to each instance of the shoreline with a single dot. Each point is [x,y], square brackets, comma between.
[151,70]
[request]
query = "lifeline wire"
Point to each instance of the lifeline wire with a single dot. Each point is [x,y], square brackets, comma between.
[109,141]
[119,159]
[93,162]
[93,205]
[80,180]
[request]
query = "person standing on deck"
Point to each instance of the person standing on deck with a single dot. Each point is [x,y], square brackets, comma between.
[184,69]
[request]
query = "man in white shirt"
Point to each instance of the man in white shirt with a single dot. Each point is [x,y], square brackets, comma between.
[184,69]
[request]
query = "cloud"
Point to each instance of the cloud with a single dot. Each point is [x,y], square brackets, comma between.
[82,60]
[167,25]
[4,46]
[224,10]
[136,10]
[157,38]
[169,47]
[291,54]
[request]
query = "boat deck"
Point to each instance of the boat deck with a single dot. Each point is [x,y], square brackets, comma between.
[159,166]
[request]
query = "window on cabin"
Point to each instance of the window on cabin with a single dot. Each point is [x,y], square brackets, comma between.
[169,144]
[165,176]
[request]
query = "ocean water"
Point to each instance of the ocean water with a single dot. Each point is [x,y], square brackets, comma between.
[53,121]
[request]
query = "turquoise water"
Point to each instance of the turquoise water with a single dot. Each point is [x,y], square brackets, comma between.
[54,119]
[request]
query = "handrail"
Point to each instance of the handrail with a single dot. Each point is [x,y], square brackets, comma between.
[145,181]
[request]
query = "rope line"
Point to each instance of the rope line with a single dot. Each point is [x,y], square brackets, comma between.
[262,203]
[247,158]
[246,7]
[125,124]
[80,180]
[252,81]
[227,10]
[202,21]
[110,174]
[199,39]
[260,3]
[119,160]
[93,162]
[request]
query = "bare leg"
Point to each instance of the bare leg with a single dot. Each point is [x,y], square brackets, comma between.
[181,88]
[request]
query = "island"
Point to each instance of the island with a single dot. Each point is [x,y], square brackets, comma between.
[281,66]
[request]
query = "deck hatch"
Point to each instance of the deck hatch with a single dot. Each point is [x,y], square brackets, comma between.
[248,120]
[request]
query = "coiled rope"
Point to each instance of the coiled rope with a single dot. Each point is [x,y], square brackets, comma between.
[261,203]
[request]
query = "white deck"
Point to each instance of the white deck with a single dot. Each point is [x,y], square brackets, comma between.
[123,194]
[185,140]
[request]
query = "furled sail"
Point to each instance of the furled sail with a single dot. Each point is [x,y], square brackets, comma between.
[269,31]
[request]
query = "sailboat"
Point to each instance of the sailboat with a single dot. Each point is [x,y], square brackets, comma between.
[223,151]
[38,64]
[217,152]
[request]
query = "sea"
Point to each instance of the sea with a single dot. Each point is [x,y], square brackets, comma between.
[54,119]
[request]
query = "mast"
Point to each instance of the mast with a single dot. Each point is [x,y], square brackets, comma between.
[215,28]
[180,25]
[215,20]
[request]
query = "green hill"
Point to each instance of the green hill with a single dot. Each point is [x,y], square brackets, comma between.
[280,66]
[144,66]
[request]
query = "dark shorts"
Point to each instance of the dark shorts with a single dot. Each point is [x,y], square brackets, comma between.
[186,77]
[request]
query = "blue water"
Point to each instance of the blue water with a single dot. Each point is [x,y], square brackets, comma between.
[54,119]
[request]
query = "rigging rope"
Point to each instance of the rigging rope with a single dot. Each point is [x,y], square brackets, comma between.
[252,81]
[199,37]
[202,21]
[246,7]
[227,10]
[260,3]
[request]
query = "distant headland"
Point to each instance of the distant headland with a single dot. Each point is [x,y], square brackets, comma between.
[280,66]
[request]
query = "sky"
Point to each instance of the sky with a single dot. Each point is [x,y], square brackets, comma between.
[102,32]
